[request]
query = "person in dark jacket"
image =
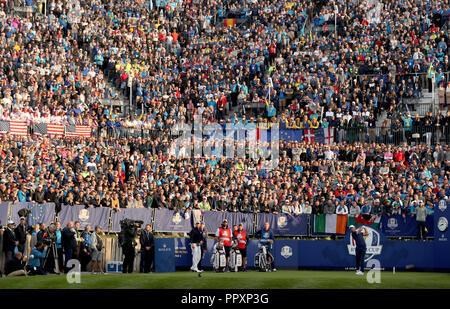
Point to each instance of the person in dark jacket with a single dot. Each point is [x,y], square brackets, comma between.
[69,243]
[360,250]
[148,249]
[9,241]
[38,195]
[204,247]
[16,265]
[196,243]
[40,234]
[21,234]
[85,248]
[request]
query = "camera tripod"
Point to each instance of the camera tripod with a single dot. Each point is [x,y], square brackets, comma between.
[53,249]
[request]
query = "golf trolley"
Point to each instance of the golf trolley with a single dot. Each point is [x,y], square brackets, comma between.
[263,259]
[218,257]
[235,260]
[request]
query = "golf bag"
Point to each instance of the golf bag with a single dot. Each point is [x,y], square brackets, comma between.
[235,260]
[261,259]
[218,258]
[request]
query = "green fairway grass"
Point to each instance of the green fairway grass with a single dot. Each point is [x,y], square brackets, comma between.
[249,280]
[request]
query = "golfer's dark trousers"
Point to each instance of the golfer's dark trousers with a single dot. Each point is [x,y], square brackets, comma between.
[360,253]
[68,252]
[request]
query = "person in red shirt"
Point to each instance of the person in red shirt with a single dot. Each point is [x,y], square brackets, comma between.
[399,156]
[272,52]
[224,235]
[241,237]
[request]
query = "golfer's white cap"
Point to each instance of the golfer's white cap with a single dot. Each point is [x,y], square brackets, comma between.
[351,226]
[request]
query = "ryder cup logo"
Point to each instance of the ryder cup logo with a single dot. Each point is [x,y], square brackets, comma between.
[442,205]
[282,222]
[177,218]
[372,244]
[83,215]
[286,252]
[392,223]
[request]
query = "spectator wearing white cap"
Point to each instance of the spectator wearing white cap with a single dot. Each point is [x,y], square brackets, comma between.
[9,241]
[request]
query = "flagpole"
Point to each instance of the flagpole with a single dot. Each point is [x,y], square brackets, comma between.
[336,10]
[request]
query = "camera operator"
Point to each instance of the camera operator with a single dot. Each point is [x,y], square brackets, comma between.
[127,237]
[49,239]
[37,253]
[21,234]
[16,265]
[69,243]
[148,248]
[9,241]
[85,248]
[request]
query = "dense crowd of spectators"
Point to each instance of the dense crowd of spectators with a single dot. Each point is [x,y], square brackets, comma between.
[131,173]
[182,62]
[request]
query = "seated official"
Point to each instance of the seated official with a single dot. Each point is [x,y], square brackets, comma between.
[16,265]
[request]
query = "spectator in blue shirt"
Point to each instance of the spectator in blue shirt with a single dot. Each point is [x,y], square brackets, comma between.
[37,254]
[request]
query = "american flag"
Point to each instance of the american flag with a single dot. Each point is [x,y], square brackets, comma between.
[78,130]
[55,129]
[40,128]
[18,127]
[49,128]
[4,127]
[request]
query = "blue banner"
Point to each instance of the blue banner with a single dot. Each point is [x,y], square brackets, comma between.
[183,252]
[39,213]
[397,226]
[171,221]
[87,216]
[442,235]
[214,219]
[143,214]
[286,254]
[284,224]
[164,255]
[4,207]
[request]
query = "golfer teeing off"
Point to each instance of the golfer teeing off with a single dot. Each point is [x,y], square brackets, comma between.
[360,250]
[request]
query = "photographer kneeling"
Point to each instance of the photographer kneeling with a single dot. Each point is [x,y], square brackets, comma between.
[16,265]
[37,254]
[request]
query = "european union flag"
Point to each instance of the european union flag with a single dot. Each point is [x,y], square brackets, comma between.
[319,136]
[44,213]
[291,135]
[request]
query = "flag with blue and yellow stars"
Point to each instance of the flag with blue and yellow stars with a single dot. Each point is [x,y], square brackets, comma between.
[291,135]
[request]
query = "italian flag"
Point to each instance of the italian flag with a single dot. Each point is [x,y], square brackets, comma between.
[371,220]
[330,224]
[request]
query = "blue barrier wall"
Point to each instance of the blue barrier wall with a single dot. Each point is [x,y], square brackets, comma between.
[164,255]
[323,254]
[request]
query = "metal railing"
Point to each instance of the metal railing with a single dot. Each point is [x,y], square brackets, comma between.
[127,132]
[416,135]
